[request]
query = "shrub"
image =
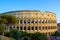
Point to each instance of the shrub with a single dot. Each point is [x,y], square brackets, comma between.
[1,32]
[25,38]
[12,38]
[14,33]
[7,34]
[1,29]
[56,34]
[37,36]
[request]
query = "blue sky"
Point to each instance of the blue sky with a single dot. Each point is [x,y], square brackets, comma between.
[42,5]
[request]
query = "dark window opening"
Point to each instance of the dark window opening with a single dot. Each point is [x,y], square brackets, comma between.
[32,21]
[20,27]
[29,21]
[43,28]
[25,21]
[36,21]
[46,27]
[14,27]
[40,21]
[24,27]
[39,28]
[36,28]
[21,21]
[33,28]
[28,27]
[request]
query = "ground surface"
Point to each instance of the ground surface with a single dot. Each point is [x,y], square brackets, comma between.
[4,38]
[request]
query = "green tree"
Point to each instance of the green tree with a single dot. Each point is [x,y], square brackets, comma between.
[17,34]
[2,20]
[56,34]
[14,33]
[38,36]
[7,34]
[10,19]
[23,33]
[1,29]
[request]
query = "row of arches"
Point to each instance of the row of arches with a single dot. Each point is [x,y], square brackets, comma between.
[34,27]
[36,21]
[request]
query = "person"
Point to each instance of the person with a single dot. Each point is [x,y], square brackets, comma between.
[49,37]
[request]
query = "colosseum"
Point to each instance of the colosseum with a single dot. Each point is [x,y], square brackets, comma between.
[35,21]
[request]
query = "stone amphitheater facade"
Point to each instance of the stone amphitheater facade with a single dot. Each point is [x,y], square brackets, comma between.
[35,21]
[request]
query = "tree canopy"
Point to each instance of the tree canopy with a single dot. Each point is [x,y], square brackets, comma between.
[2,20]
[8,19]
[38,36]
[1,28]
[33,36]
[56,34]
